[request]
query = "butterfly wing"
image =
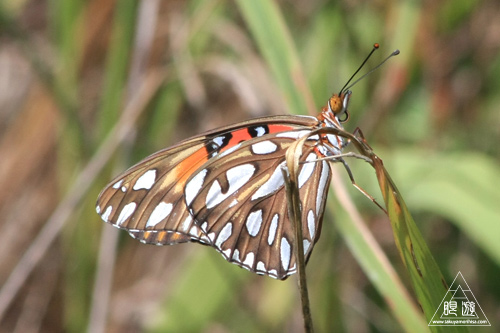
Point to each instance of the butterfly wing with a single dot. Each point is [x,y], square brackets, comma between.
[239,202]
[148,201]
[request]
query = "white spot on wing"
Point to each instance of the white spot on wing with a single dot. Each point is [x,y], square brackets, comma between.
[159,213]
[273,184]
[306,245]
[187,222]
[237,177]
[218,140]
[307,170]
[236,255]
[311,223]
[264,147]
[226,253]
[254,222]
[118,184]
[260,131]
[106,214]
[194,231]
[98,209]
[146,180]
[273,227]
[261,266]
[323,179]
[204,226]
[204,239]
[249,259]
[285,253]
[224,235]
[193,187]
[127,210]
[214,195]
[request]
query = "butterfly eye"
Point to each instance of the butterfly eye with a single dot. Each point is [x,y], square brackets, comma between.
[335,104]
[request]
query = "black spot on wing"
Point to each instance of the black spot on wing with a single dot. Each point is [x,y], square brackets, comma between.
[216,143]
[258,130]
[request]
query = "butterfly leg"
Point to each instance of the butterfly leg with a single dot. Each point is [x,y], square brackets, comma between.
[359,134]
[359,188]
[340,158]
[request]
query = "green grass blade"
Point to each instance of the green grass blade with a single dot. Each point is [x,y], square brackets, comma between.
[117,66]
[428,282]
[463,188]
[274,41]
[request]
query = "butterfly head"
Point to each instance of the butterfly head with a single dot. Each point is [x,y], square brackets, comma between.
[336,110]
[337,104]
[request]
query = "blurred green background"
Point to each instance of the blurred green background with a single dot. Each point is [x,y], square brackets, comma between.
[87,88]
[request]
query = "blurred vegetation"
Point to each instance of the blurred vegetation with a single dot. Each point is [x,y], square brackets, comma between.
[72,70]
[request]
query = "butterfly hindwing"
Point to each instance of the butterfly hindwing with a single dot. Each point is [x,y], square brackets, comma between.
[239,202]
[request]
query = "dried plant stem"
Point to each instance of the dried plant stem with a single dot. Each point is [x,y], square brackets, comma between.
[295,213]
[290,175]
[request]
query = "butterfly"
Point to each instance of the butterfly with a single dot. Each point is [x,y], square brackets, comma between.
[225,189]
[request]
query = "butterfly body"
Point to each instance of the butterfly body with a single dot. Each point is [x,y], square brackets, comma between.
[224,188]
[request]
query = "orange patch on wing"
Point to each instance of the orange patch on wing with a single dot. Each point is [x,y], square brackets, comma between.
[176,237]
[243,135]
[160,236]
[279,128]
[189,165]
[186,168]
[239,135]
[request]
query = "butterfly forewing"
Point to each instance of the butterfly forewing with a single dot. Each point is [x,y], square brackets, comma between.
[148,201]
[239,202]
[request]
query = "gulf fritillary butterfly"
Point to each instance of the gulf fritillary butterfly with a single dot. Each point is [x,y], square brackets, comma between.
[224,188]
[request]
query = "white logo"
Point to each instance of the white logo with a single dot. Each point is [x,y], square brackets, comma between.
[459,307]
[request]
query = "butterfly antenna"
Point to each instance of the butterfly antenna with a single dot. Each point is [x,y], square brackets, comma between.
[375,47]
[394,53]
